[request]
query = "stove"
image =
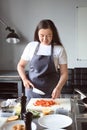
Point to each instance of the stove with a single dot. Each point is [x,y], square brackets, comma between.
[80,115]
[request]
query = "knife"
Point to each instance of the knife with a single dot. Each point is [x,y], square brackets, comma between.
[38,91]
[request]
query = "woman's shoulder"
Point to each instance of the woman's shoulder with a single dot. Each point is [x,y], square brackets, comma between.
[31,46]
[29,50]
[58,47]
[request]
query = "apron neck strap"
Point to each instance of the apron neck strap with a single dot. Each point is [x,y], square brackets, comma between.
[37,47]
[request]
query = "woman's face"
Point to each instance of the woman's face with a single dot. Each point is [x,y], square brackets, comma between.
[45,36]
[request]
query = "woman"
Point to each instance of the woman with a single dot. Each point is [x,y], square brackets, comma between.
[45,55]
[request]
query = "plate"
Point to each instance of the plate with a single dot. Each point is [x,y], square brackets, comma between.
[2,121]
[9,125]
[54,129]
[55,121]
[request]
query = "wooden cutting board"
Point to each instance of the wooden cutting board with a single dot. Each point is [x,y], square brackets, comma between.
[62,103]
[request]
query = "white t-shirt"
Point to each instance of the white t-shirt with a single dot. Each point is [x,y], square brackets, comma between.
[59,53]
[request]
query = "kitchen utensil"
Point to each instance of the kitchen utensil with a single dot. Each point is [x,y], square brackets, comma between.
[7,113]
[38,91]
[61,111]
[83,97]
[82,94]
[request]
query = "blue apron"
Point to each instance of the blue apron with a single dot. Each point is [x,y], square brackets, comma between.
[43,74]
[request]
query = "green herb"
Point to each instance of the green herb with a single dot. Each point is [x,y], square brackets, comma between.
[35,113]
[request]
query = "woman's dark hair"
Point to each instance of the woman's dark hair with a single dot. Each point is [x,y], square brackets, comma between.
[45,24]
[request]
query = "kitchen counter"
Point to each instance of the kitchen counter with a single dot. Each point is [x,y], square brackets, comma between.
[71,114]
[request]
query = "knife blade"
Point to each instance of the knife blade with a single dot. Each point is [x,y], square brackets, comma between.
[38,91]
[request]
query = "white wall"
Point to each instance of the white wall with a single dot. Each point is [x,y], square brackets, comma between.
[23,15]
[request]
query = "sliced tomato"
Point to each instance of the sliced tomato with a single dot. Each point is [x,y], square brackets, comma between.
[45,103]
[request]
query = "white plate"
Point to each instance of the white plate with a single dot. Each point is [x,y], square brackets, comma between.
[35,90]
[2,121]
[55,121]
[8,126]
[52,129]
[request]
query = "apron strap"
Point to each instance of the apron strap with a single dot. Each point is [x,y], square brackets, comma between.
[37,47]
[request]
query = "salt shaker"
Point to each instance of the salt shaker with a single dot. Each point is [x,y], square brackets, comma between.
[23,105]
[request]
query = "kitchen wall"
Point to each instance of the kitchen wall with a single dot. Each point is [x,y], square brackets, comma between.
[23,16]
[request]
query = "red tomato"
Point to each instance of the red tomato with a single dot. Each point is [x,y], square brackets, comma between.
[44,103]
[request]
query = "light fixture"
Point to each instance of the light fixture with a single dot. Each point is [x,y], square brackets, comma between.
[12,37]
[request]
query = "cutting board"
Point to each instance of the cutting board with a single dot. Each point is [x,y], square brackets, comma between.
[62,103]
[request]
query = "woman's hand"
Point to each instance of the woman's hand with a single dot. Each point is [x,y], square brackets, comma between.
[56,93]
[63,78]
[27,83]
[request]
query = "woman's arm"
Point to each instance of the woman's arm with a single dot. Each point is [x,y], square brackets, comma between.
[21,70]
[63,78]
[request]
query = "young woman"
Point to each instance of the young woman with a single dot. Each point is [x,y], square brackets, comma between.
[45,55]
